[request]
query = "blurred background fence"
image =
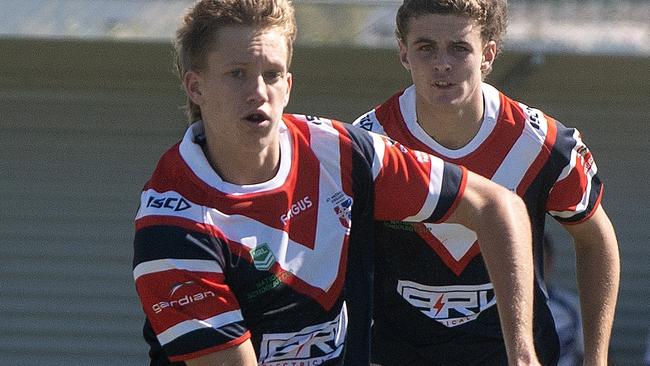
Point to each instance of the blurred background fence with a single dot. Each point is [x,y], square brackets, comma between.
[88,102]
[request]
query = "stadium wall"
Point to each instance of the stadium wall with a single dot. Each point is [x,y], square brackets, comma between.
[83,123]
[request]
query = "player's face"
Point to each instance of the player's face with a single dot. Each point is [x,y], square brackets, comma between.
[244,87]
[446,56]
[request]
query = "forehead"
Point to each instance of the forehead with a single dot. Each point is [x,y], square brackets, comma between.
[443,27]
[242,44]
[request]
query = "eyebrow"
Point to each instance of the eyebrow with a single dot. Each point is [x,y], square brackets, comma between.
[423,40]
[429,40]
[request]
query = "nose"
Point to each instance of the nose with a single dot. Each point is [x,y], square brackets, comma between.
[257,93]
[441,62]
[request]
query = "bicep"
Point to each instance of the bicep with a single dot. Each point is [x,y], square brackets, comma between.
[239,355]
[596,231]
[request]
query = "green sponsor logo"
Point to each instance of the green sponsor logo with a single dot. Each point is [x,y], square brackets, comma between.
[268,283]
[399,225]
[263,257]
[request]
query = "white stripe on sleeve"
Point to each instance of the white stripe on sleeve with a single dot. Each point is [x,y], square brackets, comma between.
[435,187]
[188,326]
[159,265]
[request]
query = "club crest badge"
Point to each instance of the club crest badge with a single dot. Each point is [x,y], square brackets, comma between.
[342,204]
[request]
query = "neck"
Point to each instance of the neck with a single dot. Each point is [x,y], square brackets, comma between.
[243,165]
[451,126]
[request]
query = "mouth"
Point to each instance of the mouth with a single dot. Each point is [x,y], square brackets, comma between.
[257,117]
[442,84]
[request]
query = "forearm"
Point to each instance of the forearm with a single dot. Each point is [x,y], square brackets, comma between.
[240,355]
[507,253]
[598,272]
[504,234]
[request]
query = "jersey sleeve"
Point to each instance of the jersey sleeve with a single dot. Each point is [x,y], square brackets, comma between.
[577,191]
[181,285]
[411,185]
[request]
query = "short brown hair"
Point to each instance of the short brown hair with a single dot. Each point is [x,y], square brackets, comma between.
[491,15]
[201,24]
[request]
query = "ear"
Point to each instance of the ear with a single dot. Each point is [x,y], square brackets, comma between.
[489,54]
[402,55]
[192,85]
[288,93]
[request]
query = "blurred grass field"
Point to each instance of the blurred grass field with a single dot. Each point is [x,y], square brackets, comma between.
[83,123]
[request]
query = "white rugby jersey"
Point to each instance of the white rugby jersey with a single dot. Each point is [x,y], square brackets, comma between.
[434,283]
[217,263]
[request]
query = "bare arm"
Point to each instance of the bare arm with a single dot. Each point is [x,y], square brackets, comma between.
[240,355]
[501,223]
[598,272]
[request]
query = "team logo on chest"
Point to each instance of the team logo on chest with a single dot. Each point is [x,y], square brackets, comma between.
[342,206]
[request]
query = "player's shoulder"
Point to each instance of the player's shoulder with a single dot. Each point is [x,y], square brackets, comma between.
[173,167]
[537,126]
[311,124]
[304,124]
[374,119]
[369,122]
[168,166]
[292,119]
[176,184]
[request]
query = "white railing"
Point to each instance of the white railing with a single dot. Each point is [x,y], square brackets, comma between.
[597,26]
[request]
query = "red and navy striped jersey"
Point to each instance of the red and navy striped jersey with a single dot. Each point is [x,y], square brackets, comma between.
[216,263]
[434,284]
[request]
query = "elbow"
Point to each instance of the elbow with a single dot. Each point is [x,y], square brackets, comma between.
[505,209]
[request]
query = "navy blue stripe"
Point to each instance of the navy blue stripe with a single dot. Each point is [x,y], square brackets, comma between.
[561,150]
[560,158]
[362,142]
[359,280]
[195,341]
[451,180]
[160,242]
[204,338]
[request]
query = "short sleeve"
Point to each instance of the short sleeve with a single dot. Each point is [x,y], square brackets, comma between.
[577,190]
[414,186]
[183,293]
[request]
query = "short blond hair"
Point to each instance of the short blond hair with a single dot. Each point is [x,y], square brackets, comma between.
[201,24]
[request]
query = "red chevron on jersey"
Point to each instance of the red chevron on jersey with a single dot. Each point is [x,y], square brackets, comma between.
[216,263]
[518,147]
[459,247]
[273,220]
[512,146]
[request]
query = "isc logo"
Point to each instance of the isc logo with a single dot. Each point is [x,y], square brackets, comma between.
[448,305]
[174,203]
